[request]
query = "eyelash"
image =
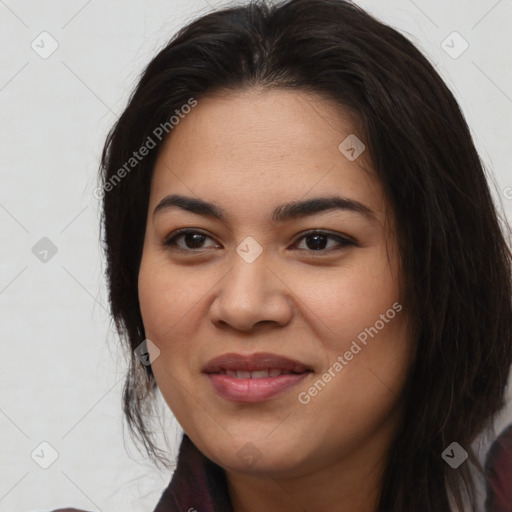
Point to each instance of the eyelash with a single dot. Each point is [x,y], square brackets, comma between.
[170,242]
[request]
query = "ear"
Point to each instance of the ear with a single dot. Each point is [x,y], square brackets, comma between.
[498,470]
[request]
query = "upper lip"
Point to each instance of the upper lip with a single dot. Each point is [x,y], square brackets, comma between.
[254,362]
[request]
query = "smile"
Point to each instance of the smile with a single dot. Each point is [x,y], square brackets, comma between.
[258,374]
[255,377]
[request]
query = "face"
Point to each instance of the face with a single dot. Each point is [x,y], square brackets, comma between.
[283,342]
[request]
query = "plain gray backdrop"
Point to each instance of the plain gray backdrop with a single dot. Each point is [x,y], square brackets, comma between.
[66,71]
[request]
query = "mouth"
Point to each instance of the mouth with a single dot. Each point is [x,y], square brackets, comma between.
[255,374]
[254,378]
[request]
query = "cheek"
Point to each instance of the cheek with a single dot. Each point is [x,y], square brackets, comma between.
[173,308]
[163,301]
[167,298]
[348,299]
[166,295]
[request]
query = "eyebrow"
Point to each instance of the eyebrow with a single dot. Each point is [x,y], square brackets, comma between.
[283,212]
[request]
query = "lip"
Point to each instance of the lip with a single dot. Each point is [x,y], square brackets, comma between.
[254,389]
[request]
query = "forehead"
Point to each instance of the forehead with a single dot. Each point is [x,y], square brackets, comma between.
[283,122]
[264,145]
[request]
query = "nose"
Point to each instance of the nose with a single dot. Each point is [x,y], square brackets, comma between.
[251,294]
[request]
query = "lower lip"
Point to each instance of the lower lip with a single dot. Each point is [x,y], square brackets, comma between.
[253,390]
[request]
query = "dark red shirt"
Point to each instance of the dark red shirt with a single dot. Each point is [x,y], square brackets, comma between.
[199,485]
[498,468]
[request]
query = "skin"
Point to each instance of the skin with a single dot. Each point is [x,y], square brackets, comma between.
[248,152]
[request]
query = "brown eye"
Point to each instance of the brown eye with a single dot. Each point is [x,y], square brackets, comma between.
[317,241]
[191,240]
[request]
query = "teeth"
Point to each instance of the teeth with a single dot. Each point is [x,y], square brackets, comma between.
[262,374]
[258,374]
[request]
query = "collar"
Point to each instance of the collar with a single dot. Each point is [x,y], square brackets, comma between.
[197,484]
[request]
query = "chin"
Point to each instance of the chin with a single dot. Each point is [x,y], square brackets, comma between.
[257,455]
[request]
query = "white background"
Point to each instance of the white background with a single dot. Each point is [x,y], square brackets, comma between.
[61,371]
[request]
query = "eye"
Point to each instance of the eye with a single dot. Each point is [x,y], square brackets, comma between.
[316,241]
[319,239]
[191,238]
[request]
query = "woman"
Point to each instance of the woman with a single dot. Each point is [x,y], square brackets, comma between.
[304,258]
